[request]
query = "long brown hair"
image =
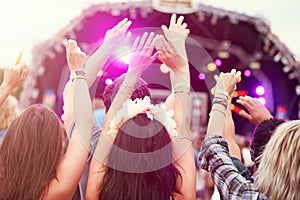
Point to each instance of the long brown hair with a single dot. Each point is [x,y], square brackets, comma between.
[29,154]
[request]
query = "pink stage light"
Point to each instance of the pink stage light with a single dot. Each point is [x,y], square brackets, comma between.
[218,62]
[201,76]
[260,90]
[247,72]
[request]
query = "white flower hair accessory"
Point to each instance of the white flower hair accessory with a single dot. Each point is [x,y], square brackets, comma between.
[131,109]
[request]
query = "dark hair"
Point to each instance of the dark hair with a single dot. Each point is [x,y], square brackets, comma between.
[157,184]
[29,154]
[110,91]
[262,135]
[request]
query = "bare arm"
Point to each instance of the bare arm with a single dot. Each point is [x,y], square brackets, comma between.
[68,176]
[173,54]
[140,60]
[229,133]
[94,64]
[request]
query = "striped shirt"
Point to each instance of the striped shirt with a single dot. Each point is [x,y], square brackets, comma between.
[214,157]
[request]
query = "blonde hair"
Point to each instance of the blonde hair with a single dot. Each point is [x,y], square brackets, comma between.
[278,175]
[8,112]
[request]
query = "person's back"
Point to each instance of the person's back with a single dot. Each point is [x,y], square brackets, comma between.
[278,174]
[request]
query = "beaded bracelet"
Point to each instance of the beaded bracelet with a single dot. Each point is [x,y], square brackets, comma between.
[220,101]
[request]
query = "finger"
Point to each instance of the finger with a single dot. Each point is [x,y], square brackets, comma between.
[245,115]
[173,20]
[142,41]
[128,37]
[233,71]
[149,49]
[155,56]
[120,24]
[135,44]
[246,104]
[188,31]
[184,25]
[180,20]
[149,40]
[165,29]
[125,27]
[216,77]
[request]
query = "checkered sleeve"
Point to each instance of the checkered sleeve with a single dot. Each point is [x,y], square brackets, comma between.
[214,157]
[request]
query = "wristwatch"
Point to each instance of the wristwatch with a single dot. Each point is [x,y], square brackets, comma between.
[78,74]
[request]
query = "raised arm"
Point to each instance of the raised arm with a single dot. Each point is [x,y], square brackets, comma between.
[173,54]
[257,111]
[140,61]
[71,166]
[13,77]
[94,64]
[112,40]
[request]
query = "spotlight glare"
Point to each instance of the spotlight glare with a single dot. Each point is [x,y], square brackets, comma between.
[108,81]
[124,54]
[260,90]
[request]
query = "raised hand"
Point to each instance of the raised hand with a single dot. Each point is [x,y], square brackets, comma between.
[117,35]
[75,57]
[14,76]
[170,56]
[227,82]
[177,31]
[257,111]
[142,53]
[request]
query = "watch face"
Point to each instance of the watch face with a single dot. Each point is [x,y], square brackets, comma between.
[79,73]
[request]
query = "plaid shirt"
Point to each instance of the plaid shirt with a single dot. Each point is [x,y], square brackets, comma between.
[214,155]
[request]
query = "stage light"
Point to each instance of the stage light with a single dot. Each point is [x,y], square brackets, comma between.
[108,81]
[124,54]
[254,65]
[164,68]
[211,67]
[262,100]
[260,90]
[218,62]
[247,72]
[223,54]
[201,76]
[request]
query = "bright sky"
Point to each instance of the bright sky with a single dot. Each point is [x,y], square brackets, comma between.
[26,22]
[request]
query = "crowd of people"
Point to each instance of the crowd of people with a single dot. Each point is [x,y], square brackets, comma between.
[143,151]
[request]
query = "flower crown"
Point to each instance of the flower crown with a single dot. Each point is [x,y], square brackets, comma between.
[131,109]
